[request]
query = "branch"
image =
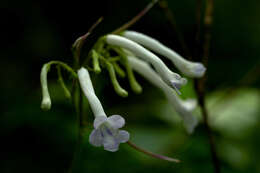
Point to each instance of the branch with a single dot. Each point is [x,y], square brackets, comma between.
[136,18]
[171,19]
[200,84]
[157,156]
[77,45]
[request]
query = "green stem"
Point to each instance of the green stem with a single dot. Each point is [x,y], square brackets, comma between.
[61,81]
[118,69]
[118,89]
[65,66]
[77,98]
[135,86]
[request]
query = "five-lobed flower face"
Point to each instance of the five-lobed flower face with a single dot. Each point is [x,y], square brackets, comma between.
[107,132]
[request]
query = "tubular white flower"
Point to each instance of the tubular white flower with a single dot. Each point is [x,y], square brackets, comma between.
[172,79]
[191,69]
[106,129]
[184,108]
[88,90]
[46,99]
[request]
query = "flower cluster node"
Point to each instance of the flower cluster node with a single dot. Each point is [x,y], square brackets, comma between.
[123,55]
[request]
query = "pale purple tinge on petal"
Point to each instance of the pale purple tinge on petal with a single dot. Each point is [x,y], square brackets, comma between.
[196,69]
[176,86]
[110,143]
[122,136]
[106,132]
[116,121]
[199,69]
[96,138]
[99,120]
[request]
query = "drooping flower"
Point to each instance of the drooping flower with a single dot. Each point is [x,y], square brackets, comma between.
[191,69]
[183,107]
[106,129]
[172,79]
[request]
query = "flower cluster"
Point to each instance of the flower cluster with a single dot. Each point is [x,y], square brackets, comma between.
[133,50]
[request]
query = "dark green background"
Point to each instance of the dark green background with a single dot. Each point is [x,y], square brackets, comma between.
[35,32]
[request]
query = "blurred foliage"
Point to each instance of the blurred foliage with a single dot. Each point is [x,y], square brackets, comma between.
[34,32]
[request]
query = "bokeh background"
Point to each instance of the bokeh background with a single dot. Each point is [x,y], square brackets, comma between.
[35,32]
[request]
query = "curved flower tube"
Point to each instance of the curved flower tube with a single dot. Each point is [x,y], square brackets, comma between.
[188,68]
[172,79]
[106,129]
[184,108]
[46,99]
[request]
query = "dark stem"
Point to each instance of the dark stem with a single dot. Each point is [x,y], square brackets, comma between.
[197,47]
[157,156]
[78,44]
[201,98]
[171,19]
[136,18]
[200,84]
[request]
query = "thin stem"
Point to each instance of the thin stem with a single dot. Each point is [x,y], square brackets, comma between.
[197,48]
[157,156]
[77,45]
[208,19]
[79,109]
[200,84]
[62,83]
[171,19]
[65,66]
[136,18]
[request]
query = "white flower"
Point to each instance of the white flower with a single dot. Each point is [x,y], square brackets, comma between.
[106,129]
[184,108]
[46,100]
[191,69]
[172,79]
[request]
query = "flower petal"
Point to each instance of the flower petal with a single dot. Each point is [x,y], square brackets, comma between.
[198,69]
[95,138]
[189,104]
[123,136]
[116,121]
[190,123]
[99,120]
[110,143]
